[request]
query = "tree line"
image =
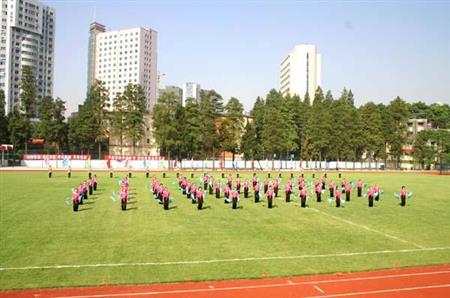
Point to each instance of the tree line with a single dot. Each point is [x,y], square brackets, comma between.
[277,127]
[287,127]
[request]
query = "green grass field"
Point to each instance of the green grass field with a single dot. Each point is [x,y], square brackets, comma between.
[38,229]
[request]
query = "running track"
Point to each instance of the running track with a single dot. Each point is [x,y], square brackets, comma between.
[432,281]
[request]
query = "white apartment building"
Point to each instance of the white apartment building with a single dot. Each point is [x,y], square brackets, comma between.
[300,71]
[121,57]
[27,38]
[190,90]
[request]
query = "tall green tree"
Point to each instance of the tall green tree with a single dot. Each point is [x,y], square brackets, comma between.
[28,92]
[396,118]
[372,128]
[193,134]
[273,135]
[4,133]
[232,127]
[249,143]
[135,105]
[166,118]
[19,127]
[118,117]
[51,124]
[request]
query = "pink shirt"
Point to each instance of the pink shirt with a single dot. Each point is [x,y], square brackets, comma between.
[200,195]
[360,184]
[256,188]
[303,192]
[403,193]
[318,188]
[287,188]
[165,194]
[269,193]
[234,194]
[338,194]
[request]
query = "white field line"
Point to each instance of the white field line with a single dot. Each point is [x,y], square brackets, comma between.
[277,285]
[269,258]
[382,291]
[367,228]
[319,289]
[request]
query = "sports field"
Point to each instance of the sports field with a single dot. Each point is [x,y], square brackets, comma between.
[45,244]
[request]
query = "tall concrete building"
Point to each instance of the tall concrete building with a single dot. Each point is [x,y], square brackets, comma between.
[190,90]
[300,71]
[122,57]
[27,38]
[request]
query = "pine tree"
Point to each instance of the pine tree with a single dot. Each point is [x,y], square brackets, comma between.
[232,127]
[193,134]
[135,106]
[28,92]
[4,134]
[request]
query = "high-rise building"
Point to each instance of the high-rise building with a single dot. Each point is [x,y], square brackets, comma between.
[300,71]
[27,38]
[191,90]
[175,90]
[121,57]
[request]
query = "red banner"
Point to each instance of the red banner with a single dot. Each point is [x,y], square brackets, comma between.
[56,157]
[134,157]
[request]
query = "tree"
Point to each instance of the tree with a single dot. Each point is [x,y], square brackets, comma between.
[118,117]
[28,92]
[19,127]
[135,106]
[51,125]
[396,118]
[192,137]
[232,127]
[439,115]
[166,119]
[372,131]
[273,135]
[96,102]
[4,135]
[207,120]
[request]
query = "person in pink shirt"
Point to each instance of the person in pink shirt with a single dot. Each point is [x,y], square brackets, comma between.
[288,191]
[377,192]
[235,198]
[403,194]
[124,199]
[159,192]
[200,197]
[188,190]
[165,197]
[256,192]
[331,189]
[255,180]
[230,181]
[319,192]
[371,195]
[324,182]
[269,195]
[90,184]
[246,188]
[194,193]
[95,183]
[183,185]
[276,185]
[218,188]
[348,189]
[266,185]
[75,201]
[338,198]
[238,185]
[359,185]
[211,185]
[226,194]
[205,182]
[303,194]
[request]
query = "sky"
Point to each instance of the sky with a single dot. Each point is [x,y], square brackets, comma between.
[378,49]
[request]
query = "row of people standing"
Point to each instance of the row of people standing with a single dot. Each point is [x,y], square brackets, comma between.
[83,191]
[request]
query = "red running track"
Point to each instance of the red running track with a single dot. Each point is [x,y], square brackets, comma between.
[431,281]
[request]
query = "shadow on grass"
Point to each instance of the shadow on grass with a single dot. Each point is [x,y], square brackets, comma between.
[131,209]
[84,209]
[173,207]
[88,202]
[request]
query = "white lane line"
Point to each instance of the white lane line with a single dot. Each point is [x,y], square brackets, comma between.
[382,291]
[269,258]
[262,286]
[367,228]
[319,289]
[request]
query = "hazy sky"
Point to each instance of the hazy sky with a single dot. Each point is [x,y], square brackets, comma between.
[378,49]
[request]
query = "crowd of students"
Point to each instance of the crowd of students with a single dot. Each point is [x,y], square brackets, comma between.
[83,191]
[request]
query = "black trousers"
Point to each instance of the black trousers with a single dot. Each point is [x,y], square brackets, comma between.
[69,175]
[200,204]
[90,175]
[370,201]
[269,202]
[75,206]
[266,187]
[95,185]
[166,204]
[217,193]
[210,188]
[319,196]
[256,196]
[90,189]
[288,196]
[205,185]
[188,195]
[238,188]
[332,193]
[303,201]
[124,205]
[234,204]
[403,201]
[275,190]
[338,203]
[245,193]
[359,192]
[323,185]
[347,196]
[377,197]
[110,174]
[49,174]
